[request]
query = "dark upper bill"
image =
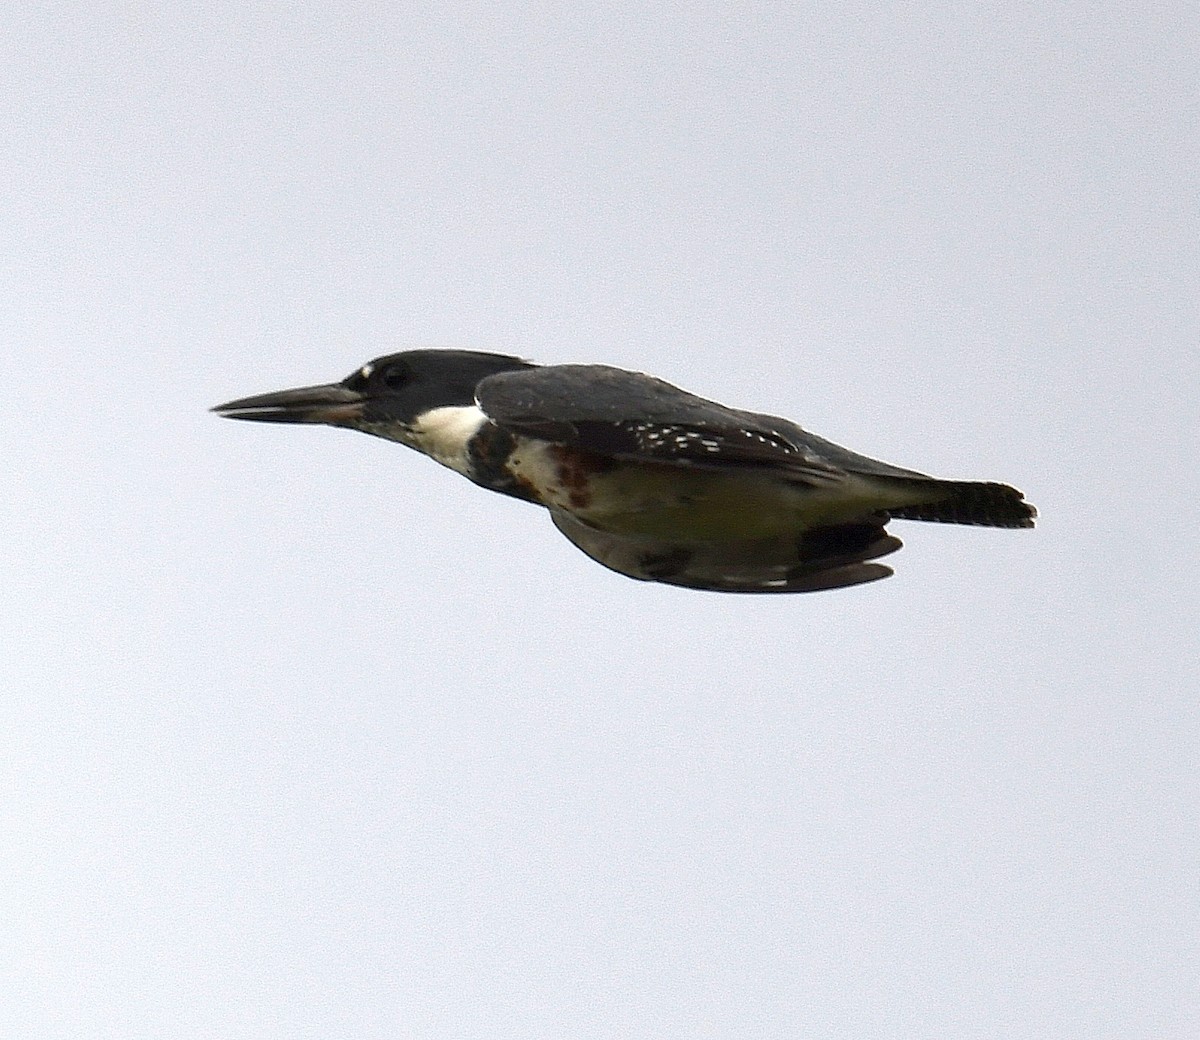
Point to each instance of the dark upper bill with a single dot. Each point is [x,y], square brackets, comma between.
[330,403]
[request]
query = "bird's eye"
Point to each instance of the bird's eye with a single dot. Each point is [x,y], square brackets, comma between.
[394,376]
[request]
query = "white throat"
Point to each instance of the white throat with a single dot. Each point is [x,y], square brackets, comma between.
[443,433]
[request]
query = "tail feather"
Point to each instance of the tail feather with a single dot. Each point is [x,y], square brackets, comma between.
[966,502]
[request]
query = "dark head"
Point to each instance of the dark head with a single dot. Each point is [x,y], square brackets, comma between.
[384,396]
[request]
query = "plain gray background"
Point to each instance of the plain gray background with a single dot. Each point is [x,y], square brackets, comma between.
[303,736]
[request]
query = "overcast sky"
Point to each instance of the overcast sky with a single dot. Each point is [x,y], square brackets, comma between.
[304,736]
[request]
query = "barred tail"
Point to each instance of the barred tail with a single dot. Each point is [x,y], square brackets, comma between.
[963,502]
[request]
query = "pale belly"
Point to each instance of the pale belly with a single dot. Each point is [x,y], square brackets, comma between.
[681,504]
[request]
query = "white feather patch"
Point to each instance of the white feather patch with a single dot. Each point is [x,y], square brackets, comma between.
[443,433]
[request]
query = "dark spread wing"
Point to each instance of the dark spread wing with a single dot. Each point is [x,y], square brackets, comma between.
[622,414]
[821,558]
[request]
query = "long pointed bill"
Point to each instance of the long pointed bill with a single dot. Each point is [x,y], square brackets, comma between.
[331,403]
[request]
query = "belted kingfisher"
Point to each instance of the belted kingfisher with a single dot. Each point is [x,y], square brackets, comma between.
[647,479]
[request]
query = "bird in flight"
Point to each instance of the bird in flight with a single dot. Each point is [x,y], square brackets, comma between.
[647,479]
